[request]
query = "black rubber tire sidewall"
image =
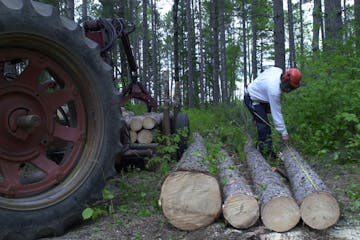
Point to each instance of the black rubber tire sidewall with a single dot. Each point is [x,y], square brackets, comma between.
[102,112]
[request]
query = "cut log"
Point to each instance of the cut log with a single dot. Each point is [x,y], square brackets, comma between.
[318,208]
[240,208]
[136,123]
[190,197]
[278,210]
[133,136]
[144,136]
[151,120]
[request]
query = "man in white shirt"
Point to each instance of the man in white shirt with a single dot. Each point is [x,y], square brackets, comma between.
[265,92]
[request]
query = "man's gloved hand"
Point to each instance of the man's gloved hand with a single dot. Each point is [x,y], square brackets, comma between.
[285,139]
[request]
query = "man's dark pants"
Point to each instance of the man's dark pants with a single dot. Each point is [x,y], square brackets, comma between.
[259,111]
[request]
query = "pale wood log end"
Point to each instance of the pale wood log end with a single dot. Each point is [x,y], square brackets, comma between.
[190,200]
[320,210]
[280,214]
[241,211]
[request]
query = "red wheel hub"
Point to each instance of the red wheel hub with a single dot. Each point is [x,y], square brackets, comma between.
[42,123]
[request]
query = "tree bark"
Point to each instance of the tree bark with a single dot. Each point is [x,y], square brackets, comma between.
[279,33]
[318,208]
[240,207]
[317,23]
[279,211]
[292,56]
[333,23]
[190,197]
[357,23]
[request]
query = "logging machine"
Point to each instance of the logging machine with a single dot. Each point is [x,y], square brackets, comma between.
[61,127]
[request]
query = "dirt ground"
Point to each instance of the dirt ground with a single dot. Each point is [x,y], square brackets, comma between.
[138,217]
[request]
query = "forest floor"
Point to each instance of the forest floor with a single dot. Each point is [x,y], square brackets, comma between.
[137,214]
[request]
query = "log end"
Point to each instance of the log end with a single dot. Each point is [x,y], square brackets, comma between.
[280,214]
[241,211]
[320,210]
[190,200]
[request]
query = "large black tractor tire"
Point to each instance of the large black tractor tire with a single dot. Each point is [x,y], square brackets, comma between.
[60,121]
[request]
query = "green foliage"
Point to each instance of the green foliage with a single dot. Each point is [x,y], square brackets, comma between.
[104,207]
[137,107]
[166,150]
[220,124]
[138,197]
[353,193]
[323,116]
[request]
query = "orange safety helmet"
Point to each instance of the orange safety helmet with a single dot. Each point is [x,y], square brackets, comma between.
[290,80]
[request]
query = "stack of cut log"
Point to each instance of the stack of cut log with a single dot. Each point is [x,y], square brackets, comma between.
[142,127]
[191,197]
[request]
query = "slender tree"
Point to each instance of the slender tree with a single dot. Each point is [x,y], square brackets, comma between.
[254,33]
[84,10]
[317,23]
[190,53]
[177,96]
[222,46]
[202,55]
[279,35]
[244,40]
[357,22]
[215,50]
[333,23]
[154,49]
[145,43]
[301,28]
[71,9]
[291,39]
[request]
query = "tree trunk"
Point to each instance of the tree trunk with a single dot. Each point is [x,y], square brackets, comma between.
[279,211]
[279,35]
[292,61]
[244,39]
[202,57]
[240,207]
[317,23]
[190,197]
[333,23]
[357,23]
[177,96]
[254,31]
[190,54]
[71,9]
[84,11]
[318,208]
[215,51]
[145,44]
[222,45]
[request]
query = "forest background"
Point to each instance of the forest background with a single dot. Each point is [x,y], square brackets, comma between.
[209,50]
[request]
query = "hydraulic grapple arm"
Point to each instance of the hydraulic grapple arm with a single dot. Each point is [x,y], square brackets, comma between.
[105,33]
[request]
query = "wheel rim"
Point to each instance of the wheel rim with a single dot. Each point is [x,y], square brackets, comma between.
[43,120]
